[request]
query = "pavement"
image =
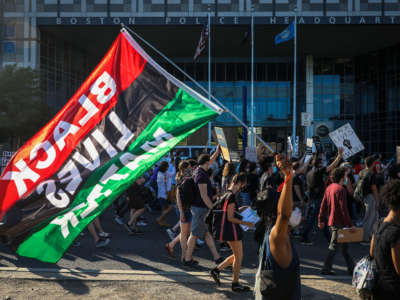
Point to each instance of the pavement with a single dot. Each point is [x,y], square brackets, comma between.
[141,266]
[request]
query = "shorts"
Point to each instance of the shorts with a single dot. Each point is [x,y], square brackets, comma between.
[199,227]
[187,213]
[137,203]
[164,203]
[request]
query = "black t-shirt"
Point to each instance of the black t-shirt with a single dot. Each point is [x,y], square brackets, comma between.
[298,181]
[386,237]
[370,181]
[315,182]
[201,177]
[252,185]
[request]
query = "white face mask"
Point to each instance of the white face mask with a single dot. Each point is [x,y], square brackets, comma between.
[295,218]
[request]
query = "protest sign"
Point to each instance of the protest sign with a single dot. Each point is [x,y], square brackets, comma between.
[251,154]
[222,141]
[398,154]
[345,137]
[306,119]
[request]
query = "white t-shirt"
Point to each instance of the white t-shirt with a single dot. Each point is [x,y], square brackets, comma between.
[163,185]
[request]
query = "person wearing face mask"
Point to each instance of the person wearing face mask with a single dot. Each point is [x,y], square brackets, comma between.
[232,233]
[278,256]
[202,203]
[334,208]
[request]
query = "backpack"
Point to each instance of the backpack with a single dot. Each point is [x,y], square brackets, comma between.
[267,198]
[360,192]
[187,191]
[213,218]
[364,277]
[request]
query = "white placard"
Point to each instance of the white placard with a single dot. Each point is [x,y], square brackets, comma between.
[309,142]
[345,137]
[251,154]
[249,215]
[306,119]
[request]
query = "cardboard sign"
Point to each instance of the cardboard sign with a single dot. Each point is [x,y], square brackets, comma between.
[222,141]
[346,236]
[398,154]
[345,137]
[306,119]
[251,154]
[290,146]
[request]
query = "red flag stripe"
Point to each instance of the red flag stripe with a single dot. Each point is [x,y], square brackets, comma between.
[47,150]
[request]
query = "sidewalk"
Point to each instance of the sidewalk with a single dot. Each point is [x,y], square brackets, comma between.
[35,283]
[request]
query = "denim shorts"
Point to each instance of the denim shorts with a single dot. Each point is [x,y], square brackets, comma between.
[199,228]
[187,213]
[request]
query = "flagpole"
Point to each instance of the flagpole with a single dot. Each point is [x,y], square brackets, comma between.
[209,74]
[196,84]
[252,81]
[294,79]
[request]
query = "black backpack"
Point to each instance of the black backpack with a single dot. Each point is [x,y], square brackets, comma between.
[213,218]
[267,197]
[187,191]
[361,190]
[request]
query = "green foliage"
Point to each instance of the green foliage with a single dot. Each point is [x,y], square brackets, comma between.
[22,109]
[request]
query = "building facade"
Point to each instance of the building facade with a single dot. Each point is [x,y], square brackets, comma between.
[348,57]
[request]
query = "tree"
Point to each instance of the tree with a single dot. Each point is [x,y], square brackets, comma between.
[22,109]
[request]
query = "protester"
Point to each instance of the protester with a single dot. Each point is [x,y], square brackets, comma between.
[163,187]
[203,201]
[334,207]
[252,184]
[281,258]
[136,199]
[367,180]
[394,172]
[184,198]
[232,233]
[227,175]
[316,189]
[385,246]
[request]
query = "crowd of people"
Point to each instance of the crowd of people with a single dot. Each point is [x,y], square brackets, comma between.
[293,197]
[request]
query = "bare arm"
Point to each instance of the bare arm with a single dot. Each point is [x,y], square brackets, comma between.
[376,194]
[396,258]
[232,219]
[204,195]
[371,247]
[285,207]
[298,193]
[215,155]
[336,161]
[304,166]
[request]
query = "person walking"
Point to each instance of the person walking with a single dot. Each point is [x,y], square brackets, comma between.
[227,175]
[316,189]
[136,199]
[202,203]
[163,187]
[385,246]
[184,195]
[370,197]
[232,233]
[334,207]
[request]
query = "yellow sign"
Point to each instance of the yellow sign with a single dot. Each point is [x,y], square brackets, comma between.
[222,141]
[398,154]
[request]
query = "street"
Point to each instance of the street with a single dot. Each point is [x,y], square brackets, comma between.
[140,266]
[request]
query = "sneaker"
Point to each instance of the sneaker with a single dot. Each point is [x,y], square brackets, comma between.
[163,224]
[102,243]
[364,243]
[141,223]
[215,273]
[306,242]
[104,234]
[237,287]
[128,228]
[171,234]
[328,272]
[224,247]
[200,242]
[136,231]
[119,220]
[190,263]
[219,260]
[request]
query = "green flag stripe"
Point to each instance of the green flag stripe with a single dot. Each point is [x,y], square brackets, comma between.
[180,117]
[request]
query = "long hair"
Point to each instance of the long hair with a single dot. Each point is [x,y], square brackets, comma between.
[183,165]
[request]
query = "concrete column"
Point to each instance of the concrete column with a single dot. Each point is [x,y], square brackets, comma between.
[310,93]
